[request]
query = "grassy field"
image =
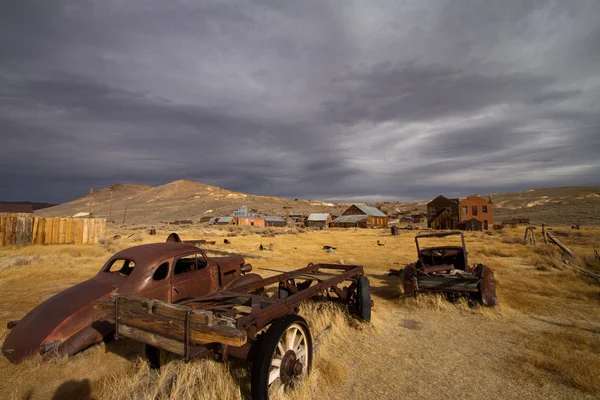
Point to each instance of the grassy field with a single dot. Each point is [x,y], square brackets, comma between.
[542,341]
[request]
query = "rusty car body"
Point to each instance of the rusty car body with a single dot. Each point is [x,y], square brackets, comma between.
[171,272]
[446,269]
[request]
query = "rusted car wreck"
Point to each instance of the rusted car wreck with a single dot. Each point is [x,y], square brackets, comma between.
[446,269]
[170,272]
[257,322]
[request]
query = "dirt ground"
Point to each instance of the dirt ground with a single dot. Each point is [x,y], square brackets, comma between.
[542,341]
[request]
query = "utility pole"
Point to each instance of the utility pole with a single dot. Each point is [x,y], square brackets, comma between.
[125,214]
[91,201]
[110,205]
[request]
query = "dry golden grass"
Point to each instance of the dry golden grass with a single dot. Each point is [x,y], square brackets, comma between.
[543,341]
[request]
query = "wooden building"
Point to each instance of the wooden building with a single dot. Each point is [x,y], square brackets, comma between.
[250,220]
[318,220]
[361,216]
[443,213]
[478,208]
[273,220]
[225,221]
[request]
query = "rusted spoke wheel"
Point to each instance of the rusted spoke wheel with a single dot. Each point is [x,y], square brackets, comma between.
[284,357]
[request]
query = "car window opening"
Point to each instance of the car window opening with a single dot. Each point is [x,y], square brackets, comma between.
[161,272]
[189,264]
[120,267]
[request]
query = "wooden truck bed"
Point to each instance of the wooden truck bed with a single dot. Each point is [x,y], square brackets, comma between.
[228,318]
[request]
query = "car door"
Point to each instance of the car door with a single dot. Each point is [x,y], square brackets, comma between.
[158,286]
[192,277]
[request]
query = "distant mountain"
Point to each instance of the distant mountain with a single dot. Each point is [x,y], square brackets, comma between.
[36,206]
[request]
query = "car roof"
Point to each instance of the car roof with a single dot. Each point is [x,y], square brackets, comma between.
[154,252]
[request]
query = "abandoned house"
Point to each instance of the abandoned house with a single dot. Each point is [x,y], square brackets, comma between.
[225,221]
[477,208]
[250,220]
[318,220]
[273,220]
[361,216]
[443,213]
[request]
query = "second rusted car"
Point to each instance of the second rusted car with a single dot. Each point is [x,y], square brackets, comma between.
[446,269]
[171,272]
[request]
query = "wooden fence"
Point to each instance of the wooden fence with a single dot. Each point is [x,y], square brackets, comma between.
[26,229]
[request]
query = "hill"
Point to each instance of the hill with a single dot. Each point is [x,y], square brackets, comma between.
[188,200]
[180,200]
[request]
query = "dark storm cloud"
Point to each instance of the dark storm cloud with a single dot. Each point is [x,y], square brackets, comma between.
[338,100]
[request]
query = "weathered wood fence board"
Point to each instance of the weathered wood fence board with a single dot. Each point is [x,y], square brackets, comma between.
[26,229]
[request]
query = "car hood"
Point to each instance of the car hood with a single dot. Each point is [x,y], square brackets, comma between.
[31,331]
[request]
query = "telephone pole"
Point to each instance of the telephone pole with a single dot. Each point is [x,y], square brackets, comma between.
[91,201]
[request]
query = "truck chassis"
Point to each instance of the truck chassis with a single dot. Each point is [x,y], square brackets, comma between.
[244,322]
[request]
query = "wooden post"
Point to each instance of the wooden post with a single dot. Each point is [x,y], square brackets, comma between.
[110,205]
[125,214]
[544,233]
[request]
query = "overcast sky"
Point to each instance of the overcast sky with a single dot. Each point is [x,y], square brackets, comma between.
[354,100]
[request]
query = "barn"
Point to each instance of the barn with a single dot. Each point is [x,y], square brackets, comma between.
[318,220]
[361,216]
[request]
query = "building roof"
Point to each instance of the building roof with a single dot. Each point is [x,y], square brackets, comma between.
[295,214]
[271,218]
[15,208]
[225,219]
[350,218]
[371,211]
[444,199]
[318,217]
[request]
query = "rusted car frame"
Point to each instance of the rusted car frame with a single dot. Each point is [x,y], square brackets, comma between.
[244,322]
[446,269]
[172,272]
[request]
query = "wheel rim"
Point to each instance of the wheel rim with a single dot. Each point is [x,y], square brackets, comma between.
[289,363]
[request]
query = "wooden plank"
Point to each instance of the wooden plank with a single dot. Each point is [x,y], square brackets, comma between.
[92,230]
[85,235]
[62,222]
[74,232]
[168,320]
[55,230]
[48,230]
[13,229]
[34,228]
[560,244]
[28,230]
[161,342]
[2,230]
[39,238]
[79,237]
[68,230]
